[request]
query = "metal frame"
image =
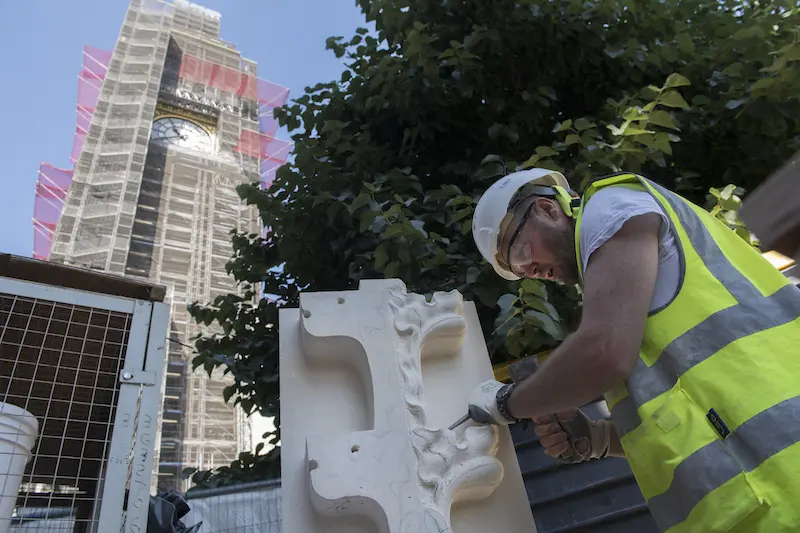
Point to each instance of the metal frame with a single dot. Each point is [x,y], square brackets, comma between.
[129,464]
[30,289]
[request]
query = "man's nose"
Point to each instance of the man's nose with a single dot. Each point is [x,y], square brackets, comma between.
[533,271]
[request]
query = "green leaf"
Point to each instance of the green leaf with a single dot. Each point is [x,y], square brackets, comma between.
[463,213]
[495,130]
[583,124]
[563,126]
[491,158]
[545,323]
[752,32]
[533,286]
[763,83]
[541,305]
[685,43]
[360,201]
[651,91]
[394,230]
[633,113]
[381,255]
[545,151]
[459,200]
[733,104]
[365,220]
[664,119]
[734,69]
[727,191]
[731,204]
[632,130]
[572,138]
[676,80]
[489,171]
[528,163]
[673,99]
[662,143]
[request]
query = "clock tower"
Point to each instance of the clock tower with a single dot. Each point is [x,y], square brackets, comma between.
[177,119]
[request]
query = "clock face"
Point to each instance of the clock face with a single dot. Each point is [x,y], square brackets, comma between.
[174,131]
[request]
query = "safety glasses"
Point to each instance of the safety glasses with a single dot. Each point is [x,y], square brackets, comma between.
[517,255]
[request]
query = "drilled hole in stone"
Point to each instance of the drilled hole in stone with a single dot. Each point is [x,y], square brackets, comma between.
[307,314]
[339,300]
[313,465]
[355,449]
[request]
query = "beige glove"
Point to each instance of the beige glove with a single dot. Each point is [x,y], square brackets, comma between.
[574,437]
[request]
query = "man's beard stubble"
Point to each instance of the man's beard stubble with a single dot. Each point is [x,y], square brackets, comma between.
[562,244]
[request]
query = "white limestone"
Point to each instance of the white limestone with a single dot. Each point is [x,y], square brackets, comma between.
[370,380]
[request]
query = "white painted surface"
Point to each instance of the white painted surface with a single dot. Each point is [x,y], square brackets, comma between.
[370,379]
[19,430]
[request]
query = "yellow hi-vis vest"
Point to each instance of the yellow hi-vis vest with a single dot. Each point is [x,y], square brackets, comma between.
[710,417]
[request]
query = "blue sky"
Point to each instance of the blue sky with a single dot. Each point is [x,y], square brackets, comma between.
[42,43]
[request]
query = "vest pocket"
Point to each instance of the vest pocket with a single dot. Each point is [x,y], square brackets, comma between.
[686,473]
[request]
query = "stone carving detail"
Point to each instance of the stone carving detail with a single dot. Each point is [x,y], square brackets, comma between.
[390,461]
[450,467]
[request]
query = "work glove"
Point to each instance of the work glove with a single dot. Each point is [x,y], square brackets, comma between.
[572,437]
[483,405]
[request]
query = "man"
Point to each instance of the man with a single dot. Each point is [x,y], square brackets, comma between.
[693,338]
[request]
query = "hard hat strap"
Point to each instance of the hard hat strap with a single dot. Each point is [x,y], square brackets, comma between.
[568,202]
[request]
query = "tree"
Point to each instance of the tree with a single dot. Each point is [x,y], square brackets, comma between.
[446,96]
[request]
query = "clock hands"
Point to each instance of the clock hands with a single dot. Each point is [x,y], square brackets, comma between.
[178,136]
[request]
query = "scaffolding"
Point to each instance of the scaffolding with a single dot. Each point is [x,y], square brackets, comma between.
[52,185]
[164,213]
[90,80]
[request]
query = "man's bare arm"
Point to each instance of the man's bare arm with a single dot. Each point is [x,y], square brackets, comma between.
[618,288]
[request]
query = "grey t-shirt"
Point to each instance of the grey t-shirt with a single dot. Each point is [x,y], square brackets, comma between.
[606,212]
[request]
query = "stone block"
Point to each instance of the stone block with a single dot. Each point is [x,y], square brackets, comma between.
[370,381]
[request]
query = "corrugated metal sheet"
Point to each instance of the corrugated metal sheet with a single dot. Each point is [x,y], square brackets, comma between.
[596,497]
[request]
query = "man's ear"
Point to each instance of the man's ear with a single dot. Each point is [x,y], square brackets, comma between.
[548,208]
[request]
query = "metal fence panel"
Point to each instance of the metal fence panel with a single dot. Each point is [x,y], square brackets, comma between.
[246,508]
[72,438]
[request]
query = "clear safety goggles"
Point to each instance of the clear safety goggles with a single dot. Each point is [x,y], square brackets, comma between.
[517,255]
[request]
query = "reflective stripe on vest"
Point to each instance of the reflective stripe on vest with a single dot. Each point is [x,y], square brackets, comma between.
[684,456]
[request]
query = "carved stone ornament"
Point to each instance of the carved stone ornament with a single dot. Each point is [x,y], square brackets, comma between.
[370,380]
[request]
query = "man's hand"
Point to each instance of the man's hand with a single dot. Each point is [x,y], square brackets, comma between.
[587,439]
[483,406]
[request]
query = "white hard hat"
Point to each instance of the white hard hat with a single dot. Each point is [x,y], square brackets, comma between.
[493,206]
